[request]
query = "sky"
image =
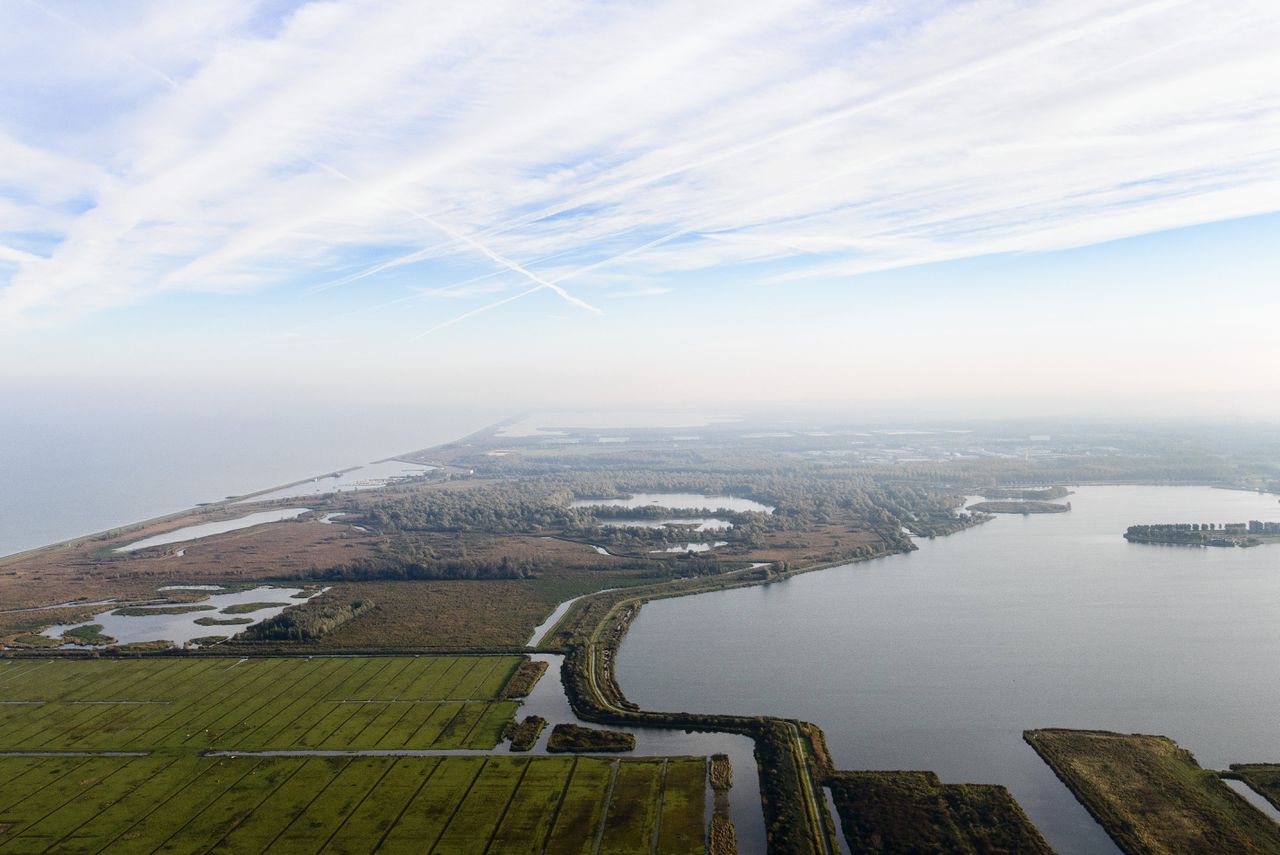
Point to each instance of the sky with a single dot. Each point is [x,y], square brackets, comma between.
[997,207]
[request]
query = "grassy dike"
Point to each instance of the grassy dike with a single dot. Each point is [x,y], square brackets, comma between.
[790,755]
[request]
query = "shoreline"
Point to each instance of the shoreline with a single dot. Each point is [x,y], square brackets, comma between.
[589,634]
[125,528]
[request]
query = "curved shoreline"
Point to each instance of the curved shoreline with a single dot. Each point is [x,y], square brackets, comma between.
[793,800]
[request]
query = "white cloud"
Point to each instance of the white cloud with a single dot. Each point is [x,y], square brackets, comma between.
[586,142]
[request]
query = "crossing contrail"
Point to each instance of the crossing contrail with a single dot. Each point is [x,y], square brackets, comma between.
[481,310]
[461,237]
[453,233]
[928,84]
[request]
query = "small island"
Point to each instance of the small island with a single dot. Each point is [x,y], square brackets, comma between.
[1020,507]
[1252,533]
[1035,494]
[576,738]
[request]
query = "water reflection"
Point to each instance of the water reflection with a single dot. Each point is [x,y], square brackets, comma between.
[939,659]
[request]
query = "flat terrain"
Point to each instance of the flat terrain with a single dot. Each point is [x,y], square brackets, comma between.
[1151,796]
[915,812]
[185,802]
[451,614]
[88,568]
[128,756]
[254,704]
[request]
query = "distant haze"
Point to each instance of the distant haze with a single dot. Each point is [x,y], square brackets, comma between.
[968,208]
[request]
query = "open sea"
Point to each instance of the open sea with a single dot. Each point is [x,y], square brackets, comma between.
[67,473]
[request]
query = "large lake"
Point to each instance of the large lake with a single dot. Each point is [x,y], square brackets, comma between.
[939,659]
[65,475]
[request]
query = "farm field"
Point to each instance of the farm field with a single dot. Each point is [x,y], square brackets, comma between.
[185,802]
[388,702]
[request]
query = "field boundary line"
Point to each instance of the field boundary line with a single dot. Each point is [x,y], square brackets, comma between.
[288,825]
[243,712]
[300,698]
[466,737]
[524,770]
[115,802]
[353,752]
[421,701]
[334,730]
[241,821]
[74,753]
[22,672]
[355,810]
[47,784]
[662,794]
[454,813]
[216,697]
[404,809]
[608,802]
[555,814]
[443,727]
[385,731]
[207,804]
[164,801]
[73,796]
[390,679]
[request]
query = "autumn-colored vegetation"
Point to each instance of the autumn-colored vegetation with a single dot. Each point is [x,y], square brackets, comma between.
[915,812]
[1151,796]
[576,738]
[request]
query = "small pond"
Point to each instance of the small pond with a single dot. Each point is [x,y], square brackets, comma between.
[696,523]
[694,501]
[181,628]
[195,532]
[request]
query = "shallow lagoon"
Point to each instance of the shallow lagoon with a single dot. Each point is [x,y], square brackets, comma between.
[693,547]
[195,532]
[939,659]
[696,523]
[695,501]
[183,628]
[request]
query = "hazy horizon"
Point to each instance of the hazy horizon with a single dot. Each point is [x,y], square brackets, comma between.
[964,208]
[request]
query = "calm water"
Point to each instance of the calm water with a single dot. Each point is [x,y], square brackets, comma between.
[939,659]
[693,547]
[183,628]
[65,474]
[548,699]
[694,501]
[195,532]
[697,524]
[367,477]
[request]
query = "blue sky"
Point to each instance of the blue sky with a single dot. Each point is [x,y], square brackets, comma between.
[1032,206]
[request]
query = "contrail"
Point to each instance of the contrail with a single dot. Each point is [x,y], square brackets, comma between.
[474,279]
[931,83]
[131,58]
[581,270]
[475,312]
[463,238]
[332,170]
